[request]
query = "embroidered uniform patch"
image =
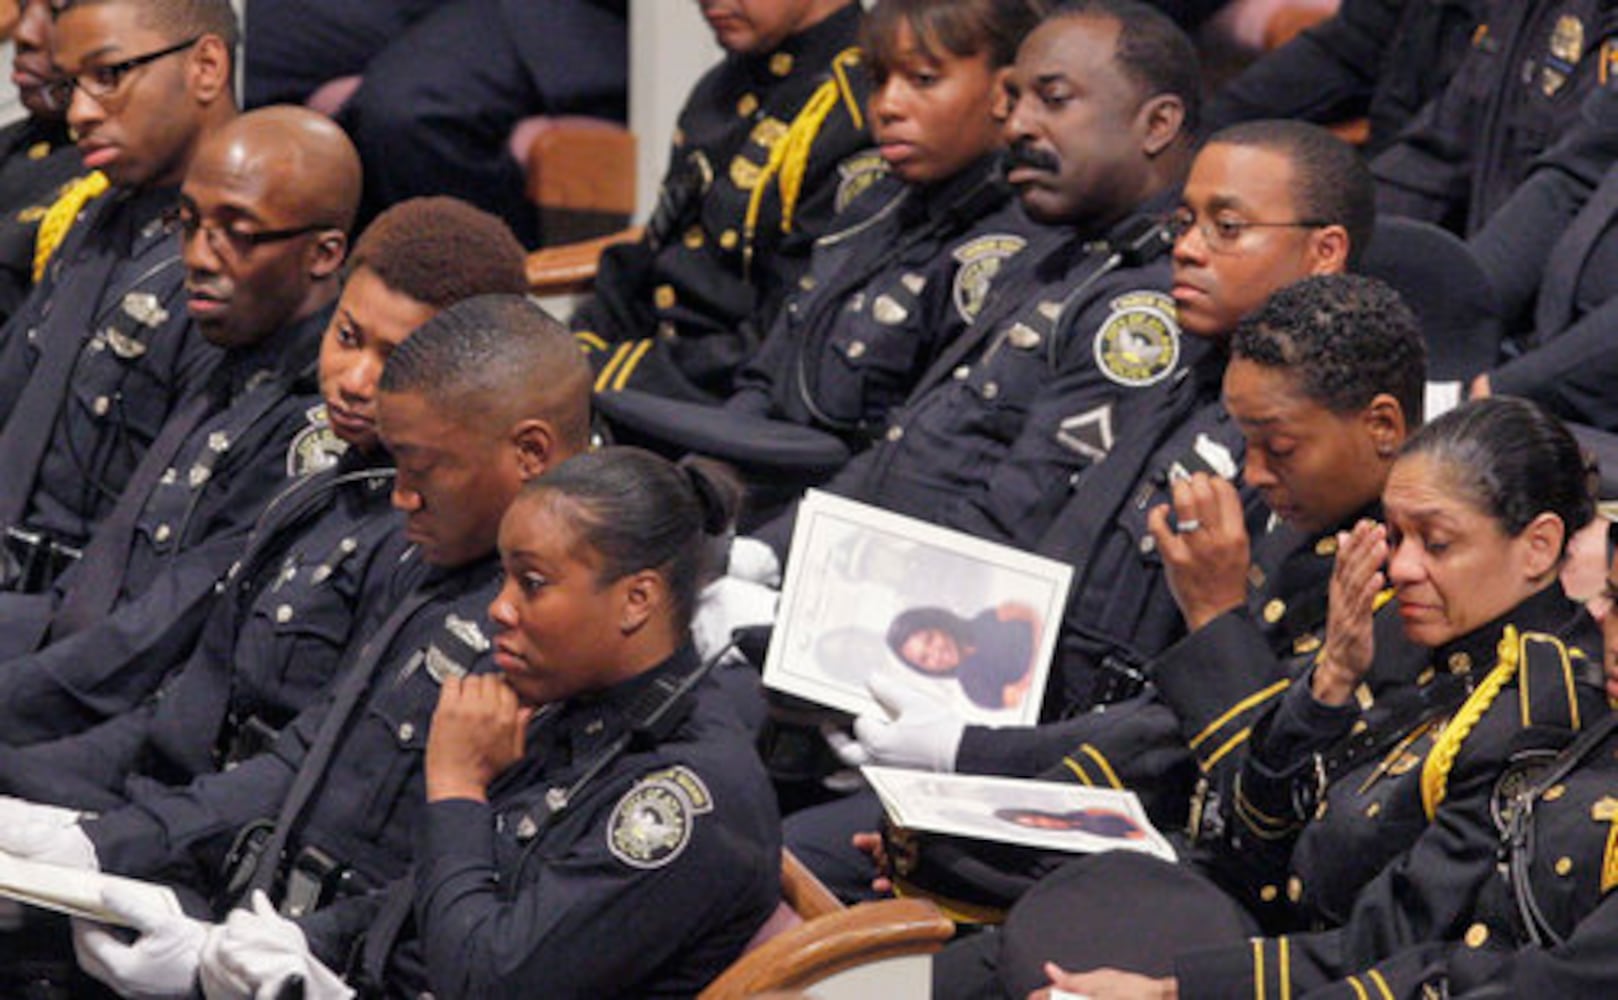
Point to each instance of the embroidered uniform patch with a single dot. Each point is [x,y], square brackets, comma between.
[316,447]
[652,823]
[1139,343]
[980,260]
[856,174]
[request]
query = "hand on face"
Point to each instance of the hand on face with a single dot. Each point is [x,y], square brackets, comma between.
[1206,552]
[1356,579]
[477,732]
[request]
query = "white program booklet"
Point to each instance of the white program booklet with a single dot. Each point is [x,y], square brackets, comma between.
[969,623]
[1049,815]
[74,891]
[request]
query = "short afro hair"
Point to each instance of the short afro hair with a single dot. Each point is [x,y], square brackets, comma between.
[1331,185]
[176,19]
[441,250]
[1153,51]
[1344,338]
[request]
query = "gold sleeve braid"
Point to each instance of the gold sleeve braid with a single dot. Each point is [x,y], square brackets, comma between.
[60,216]
[789,157]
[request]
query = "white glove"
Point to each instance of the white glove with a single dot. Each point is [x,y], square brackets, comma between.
[919,732]
[727,604]
[15,810]
[161,963]
[257,951]
[754,561]
[51,837]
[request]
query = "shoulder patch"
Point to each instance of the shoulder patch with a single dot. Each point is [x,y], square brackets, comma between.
[1139,343]
[652,822]
[856,174]
[315,448]
[980,260]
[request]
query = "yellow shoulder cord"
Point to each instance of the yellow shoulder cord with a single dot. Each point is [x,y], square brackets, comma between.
[789,157]
[1435,770]
[58,219]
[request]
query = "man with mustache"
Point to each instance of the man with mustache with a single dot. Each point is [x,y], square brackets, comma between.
[36,156]
[100,354]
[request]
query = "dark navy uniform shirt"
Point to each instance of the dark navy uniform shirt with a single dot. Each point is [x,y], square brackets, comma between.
[37,159]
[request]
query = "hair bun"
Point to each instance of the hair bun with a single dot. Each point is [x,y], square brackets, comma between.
[718,490]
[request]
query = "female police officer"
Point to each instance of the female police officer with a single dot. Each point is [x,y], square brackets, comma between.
[598,822]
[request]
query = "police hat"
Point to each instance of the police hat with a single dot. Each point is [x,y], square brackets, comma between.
[753,444]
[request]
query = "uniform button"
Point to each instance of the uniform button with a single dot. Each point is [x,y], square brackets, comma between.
[98,345]
[1148,545]
[406,731]
[1294,888]
[895,432]
[1563,866]
[856,350]
[781,63]
[807,282]
[101,405]
[1373,810]
[1460,663]
[1555,792]
[663,297]
[728,239]
[747,105]
[1477,936]
[162,533]
[962,372]
[1426,677]
[991,390]
[283,614]
[1274,610]
[1360,726]
[1269,893]
[1326,546]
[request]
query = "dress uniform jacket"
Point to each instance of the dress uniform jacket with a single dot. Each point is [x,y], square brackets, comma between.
[1454,883]
[36,159]
[267,426]
[904,270]
[1032,394]
[369,794]
[1378,59]
[1562,297]
[767,149]
[110,310]
[269,648]
[1328,796]
[674,845]
[1514,93]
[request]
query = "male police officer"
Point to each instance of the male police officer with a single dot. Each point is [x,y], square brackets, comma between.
[100,354]
[265,209]
[273,640]
[764,155]
[36,156]
[337,797]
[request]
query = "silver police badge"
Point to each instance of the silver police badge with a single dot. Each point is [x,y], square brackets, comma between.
[1139,343]
[652,823]
[980,260]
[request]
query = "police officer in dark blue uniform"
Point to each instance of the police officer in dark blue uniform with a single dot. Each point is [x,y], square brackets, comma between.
[1514,94]
[1034,392]
[331,809]
[37,159]
[770,145]
[443,84]
[910,263]
[100,354]
[272,642]
[1378,59]
[618,785]
[154,562]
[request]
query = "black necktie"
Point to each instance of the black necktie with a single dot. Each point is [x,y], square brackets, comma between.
[349,694]
[99,577]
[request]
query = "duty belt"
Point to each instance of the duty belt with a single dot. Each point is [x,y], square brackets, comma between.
[311,878]
[30,561]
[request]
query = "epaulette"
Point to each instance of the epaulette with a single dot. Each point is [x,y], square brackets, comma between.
[59,218]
